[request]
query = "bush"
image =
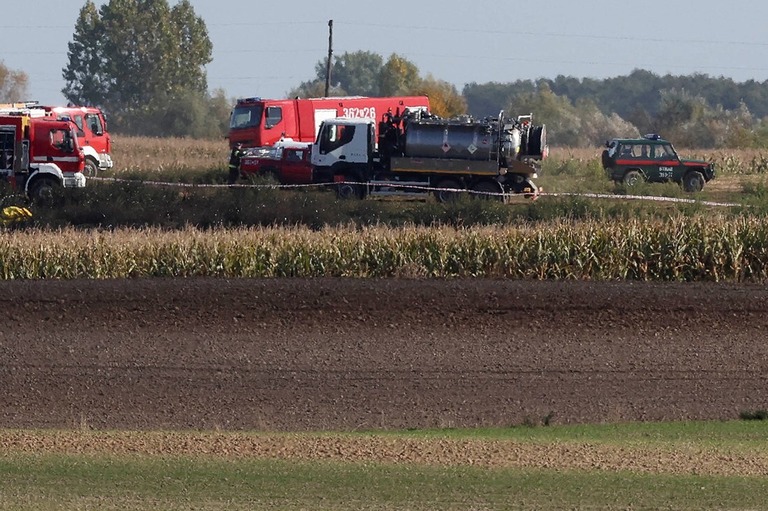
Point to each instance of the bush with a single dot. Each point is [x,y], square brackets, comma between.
[756,415]
[136,204]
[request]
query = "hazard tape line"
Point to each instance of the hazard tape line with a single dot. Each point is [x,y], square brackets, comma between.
[194,185]
[426,188]
[641,197]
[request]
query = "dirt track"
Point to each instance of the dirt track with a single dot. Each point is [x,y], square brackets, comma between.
[282,354]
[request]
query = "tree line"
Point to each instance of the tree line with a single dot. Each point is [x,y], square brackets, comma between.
[143,62]
[694,110]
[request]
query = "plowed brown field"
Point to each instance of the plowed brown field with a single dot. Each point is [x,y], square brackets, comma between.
[335,354]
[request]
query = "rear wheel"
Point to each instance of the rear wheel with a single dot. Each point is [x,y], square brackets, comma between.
[632,178]
[447,190]
[488,190]
[693,181]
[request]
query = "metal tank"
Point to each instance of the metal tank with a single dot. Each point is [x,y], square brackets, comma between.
[460,140]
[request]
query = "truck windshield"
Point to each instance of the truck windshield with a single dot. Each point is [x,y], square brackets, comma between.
[246,116]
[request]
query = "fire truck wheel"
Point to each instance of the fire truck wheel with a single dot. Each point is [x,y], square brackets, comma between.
[91,168]
[444,193]
[43,191]
[346,191]
[488,190]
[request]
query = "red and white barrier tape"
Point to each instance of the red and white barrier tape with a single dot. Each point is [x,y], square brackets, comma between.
[425,188]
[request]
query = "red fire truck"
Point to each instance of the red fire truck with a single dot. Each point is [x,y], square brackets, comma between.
[257,122]
[38,154]
[91,131]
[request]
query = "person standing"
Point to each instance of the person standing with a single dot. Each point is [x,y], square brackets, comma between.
[234,163]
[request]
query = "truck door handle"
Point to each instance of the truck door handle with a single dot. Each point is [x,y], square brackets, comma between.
[342,157]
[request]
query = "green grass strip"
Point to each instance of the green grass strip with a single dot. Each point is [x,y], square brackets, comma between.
[53,482]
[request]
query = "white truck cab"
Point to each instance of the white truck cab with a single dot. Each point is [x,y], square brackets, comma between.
[344,140]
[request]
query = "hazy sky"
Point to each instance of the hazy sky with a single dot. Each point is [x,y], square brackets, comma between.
[266,48]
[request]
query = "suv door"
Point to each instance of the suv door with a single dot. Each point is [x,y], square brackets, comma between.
[296,168]
[666,164]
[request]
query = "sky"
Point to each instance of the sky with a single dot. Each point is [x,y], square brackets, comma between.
[266,49]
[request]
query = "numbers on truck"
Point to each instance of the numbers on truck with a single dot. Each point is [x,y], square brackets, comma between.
[360,113]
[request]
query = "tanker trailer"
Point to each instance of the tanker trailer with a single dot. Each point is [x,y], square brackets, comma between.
[418,153]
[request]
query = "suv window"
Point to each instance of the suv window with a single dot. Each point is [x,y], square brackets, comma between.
[663,152]
[635,151]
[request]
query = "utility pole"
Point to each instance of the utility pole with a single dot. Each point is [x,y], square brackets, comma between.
[330,54]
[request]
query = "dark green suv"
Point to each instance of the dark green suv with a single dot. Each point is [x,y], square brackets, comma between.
[653,159]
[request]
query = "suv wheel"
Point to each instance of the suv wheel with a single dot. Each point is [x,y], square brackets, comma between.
[632,178]
[693,181]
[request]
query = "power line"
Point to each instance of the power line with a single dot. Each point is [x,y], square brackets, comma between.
[462,30]
[468,57]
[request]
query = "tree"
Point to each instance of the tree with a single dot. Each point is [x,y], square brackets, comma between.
[575,125]
[130,54]
[13,84]
[362,73]
[486,99]
[444,98]
[86,81]
[596,127]
[219,108]
[357,72]
[558,113]
[314,89]
[398,76]
[194,51]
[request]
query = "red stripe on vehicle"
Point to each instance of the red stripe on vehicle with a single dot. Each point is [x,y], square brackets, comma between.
[636,162]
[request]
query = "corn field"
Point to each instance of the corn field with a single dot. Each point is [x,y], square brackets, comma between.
[678,249]
[691,247]
[163,155]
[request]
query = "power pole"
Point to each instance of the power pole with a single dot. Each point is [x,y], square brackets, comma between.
[330,54]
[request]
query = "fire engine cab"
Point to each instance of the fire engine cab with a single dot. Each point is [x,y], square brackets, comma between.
[91,130]
[38,154]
